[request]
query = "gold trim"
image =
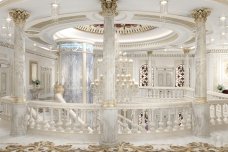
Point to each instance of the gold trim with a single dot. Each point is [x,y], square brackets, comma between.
[109,104]
[18,99]
[200,99]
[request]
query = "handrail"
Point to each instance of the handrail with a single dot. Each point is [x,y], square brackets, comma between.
[154,105]
[63,105]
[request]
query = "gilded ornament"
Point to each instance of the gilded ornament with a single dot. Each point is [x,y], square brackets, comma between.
[109,7]
[19,16]
[186,50]
[201,14]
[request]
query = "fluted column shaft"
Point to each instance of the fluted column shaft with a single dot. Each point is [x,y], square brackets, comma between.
[200,106]
[109,59]
[186,69]
[19,80]
[109,114]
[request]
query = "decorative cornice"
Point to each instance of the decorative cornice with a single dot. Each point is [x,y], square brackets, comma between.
[144,55]
[19,16]
[200,15]
[109,7]
[11,46]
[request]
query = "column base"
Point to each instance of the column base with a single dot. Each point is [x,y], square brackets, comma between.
[18,125]
[200,123]
[109,127]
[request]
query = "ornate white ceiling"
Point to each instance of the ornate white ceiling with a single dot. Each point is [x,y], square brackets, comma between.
[177,30]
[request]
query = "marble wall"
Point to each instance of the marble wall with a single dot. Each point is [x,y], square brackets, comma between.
[6,57]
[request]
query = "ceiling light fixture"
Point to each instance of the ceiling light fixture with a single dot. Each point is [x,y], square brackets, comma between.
[55,10]
[8,19]
[3,27]
[222,18]
[163,9]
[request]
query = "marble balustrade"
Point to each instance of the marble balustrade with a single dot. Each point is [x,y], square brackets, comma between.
[218,112]
[133,118]
[165,92]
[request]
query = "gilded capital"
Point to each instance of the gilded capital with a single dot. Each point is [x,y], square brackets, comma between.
[186,50]
[109,7]
[19,16]
[201,14]
[149,53]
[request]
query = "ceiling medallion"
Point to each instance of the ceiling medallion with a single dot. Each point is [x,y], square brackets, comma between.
[122,29]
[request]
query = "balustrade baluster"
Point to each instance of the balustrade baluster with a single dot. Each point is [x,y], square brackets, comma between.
[212,113]
[45,121]
[169,122]
[77,125]
[176,120]
[225,113]
[160,123]
[219,114]
[37,119]
[68,121]
[134,128]
[31,119]
[59,123]
[189,118]
[52,122]
[152,121]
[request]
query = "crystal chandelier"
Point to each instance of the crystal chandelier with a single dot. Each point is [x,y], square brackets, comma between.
[125,85]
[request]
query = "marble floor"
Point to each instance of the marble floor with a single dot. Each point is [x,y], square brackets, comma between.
[218,138]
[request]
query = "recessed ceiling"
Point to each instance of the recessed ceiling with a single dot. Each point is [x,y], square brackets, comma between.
[176,29]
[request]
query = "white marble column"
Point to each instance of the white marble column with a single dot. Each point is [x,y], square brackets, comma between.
[186,67]
[150,66]
[200,106]
[18,105]
[109,124]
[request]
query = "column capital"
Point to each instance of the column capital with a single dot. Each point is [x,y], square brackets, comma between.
[19,16]
[186,50]
[201,14]
[108,7]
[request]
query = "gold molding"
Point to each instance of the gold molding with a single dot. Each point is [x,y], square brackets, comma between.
[200,99]
[109,104]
